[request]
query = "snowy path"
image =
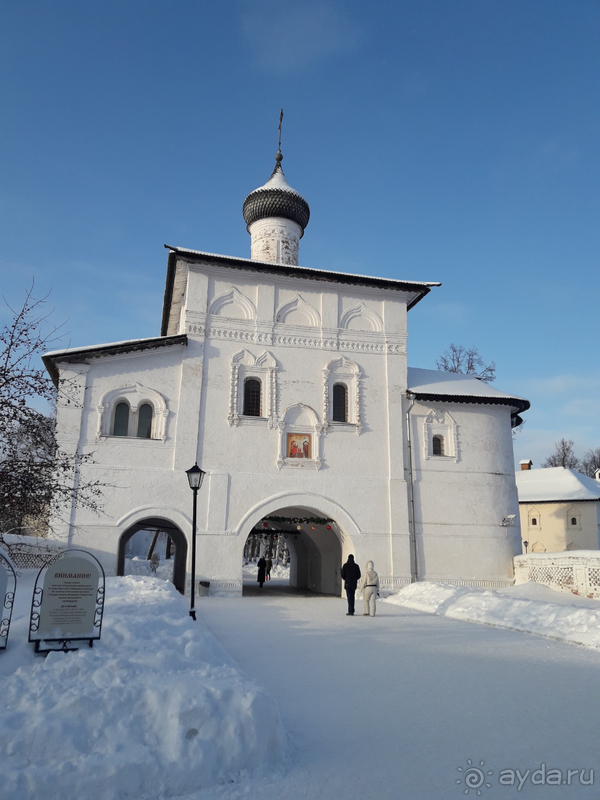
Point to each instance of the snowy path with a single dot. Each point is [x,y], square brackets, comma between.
[389,708]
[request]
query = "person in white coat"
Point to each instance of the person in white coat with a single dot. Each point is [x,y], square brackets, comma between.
[370,589]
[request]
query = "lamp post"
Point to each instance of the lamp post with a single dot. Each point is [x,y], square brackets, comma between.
[195,478]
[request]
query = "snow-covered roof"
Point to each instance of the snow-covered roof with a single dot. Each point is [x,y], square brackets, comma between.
[430,384]
[276,199]
[332,275]
[416,289]
[153,341]
[555,484]
[277,181]
[80,354]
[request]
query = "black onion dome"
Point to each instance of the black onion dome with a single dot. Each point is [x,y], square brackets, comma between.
[276,199]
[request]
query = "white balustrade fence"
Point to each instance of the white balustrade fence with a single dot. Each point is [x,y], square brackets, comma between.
[576,571]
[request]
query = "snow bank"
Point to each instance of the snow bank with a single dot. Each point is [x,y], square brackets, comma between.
[141,566]
[155,709]
[544,612]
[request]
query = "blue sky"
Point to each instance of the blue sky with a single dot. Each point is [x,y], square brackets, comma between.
[435,140]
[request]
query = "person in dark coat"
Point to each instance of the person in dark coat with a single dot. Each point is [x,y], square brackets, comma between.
[351,576]
[269,567]
[262,566]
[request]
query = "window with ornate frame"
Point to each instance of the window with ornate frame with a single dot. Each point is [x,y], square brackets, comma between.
[133,412]
[573,518]
[253,389]
[252,398]
[342,385]
[440,436]
[340,403]
[534,519]
[437,445]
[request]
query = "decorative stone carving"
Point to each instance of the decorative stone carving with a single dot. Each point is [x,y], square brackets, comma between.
[233,304]
[246,332]
[342,370]
[264,367]
[361,318]
[301,419]
[439,422]
[299,312]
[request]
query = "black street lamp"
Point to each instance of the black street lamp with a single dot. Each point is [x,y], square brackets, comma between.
[195,478]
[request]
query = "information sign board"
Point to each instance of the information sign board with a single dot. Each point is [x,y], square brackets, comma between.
[68,602]
[8,585]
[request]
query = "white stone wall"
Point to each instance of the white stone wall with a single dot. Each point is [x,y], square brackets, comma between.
[275,240]
[463,497]
[293,335]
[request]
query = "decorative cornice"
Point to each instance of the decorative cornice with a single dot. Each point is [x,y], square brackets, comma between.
[331,340]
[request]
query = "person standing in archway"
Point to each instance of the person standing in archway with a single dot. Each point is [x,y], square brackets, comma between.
[370,589]
[262,567]
[350,575]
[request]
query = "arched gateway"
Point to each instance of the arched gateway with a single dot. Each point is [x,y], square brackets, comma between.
[315,537]
[174,534]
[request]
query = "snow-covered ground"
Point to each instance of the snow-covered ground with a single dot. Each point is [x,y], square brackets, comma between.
[279,574]
[529,607]
[405,705]
[155,709]
[394,707]
[141,566]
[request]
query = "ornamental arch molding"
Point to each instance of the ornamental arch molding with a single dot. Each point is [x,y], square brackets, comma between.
[302,420]
[298,312]
[361,318]
[167,520]
[233,304]
[346,528]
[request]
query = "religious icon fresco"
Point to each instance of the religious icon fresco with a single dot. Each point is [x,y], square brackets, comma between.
[298,445]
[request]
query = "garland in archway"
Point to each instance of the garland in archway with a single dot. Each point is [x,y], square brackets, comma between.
[300,520]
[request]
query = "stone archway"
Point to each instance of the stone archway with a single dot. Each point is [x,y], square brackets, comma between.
[176,535]
[315,544]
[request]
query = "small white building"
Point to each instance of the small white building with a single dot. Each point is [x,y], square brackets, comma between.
[290,387]
[559,509]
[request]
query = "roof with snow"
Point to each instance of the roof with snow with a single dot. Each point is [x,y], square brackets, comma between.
[276,199]
[415,289]
[554,485]
[79,355]
[453,387]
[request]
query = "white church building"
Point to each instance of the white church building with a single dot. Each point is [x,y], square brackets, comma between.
[290,387]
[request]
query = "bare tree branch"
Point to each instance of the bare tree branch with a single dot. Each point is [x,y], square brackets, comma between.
[563,456]
[467,361]
[36,477]
[590,463]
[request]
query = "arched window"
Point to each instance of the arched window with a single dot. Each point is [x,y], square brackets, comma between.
[573,520]
[251,398]
[437,444]
[144,428]
[534,521]
[340,403]
[121,424]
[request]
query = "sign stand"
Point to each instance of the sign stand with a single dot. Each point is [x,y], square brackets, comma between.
[68,602]
[8,584]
